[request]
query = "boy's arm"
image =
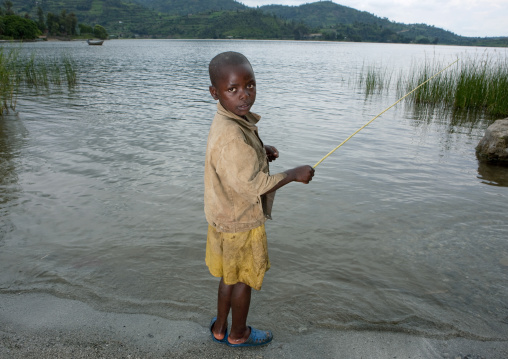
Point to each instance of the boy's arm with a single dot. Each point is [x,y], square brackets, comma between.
[302,174]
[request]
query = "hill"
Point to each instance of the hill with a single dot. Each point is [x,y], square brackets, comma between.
[186,7]
[228,18]
[340,22]
[323,14]
[129,19]
[116,15]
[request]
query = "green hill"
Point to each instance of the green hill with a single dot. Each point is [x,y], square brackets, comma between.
[186,7]
[116,15]
[127,19]
[228,18]
[323,14]
[339,22]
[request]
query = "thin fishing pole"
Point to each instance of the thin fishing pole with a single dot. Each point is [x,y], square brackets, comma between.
[368,123]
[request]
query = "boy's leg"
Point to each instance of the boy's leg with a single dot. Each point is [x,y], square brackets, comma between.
[223,307]
[240,303]
[237,298]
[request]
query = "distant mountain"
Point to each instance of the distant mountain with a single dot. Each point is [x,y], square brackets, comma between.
[186,7]
[324,20]
[112,14]
[323,14]
[327,14]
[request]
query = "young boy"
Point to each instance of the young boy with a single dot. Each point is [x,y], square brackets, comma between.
[239,193]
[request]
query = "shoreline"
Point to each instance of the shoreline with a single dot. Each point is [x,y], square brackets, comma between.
[34,325]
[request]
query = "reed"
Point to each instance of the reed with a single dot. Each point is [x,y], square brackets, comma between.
[478,86]
[19,74]
[375,79]
[70,72]
[9,80]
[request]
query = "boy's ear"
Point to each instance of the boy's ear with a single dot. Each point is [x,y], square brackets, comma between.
[213,92]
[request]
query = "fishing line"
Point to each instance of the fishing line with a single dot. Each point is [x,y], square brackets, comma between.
[368,123]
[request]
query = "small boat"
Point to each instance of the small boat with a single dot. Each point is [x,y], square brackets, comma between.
[94,42]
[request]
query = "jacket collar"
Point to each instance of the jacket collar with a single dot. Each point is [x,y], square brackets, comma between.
[252,118]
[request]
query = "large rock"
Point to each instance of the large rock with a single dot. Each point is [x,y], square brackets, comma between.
[494,145]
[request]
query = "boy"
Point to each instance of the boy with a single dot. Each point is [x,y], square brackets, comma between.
[239,194]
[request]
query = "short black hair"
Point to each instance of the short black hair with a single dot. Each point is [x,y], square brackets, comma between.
[229,58]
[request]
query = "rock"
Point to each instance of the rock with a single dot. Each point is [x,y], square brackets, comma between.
[493,147]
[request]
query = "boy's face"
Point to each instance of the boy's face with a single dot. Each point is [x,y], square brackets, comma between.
[235,89]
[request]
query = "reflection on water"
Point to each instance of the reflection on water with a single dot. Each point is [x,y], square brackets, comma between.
[11,138]
[396,232]
[492,174]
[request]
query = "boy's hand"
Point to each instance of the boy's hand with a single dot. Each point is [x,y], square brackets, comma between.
[271,153]
[302,174]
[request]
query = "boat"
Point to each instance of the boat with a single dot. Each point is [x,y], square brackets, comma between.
[94,42]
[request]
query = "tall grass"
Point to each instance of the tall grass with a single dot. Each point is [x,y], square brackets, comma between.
[375,79]
[9,80]
[20,73]
[70,71]
[477,86]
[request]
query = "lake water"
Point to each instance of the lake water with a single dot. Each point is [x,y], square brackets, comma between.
[400,230]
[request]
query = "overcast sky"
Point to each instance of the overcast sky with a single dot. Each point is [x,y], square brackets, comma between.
[463,17]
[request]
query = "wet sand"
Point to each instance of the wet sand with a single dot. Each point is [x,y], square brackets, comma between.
[43,326]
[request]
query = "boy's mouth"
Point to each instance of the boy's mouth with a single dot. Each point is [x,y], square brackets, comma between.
[244,106]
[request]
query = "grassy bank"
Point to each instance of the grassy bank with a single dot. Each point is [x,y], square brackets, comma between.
[18,73]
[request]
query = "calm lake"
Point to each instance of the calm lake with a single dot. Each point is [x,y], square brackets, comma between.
[401,229]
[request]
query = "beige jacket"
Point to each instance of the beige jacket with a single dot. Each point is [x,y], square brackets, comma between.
[236,174]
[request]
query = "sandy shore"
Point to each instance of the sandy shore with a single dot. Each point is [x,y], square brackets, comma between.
[43,326]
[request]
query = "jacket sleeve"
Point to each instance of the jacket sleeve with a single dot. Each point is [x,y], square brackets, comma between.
[239,167]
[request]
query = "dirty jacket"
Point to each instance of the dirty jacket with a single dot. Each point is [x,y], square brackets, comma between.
[236,174]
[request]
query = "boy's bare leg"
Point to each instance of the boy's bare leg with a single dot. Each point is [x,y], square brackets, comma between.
[237,298]
[223,307]
[240,303]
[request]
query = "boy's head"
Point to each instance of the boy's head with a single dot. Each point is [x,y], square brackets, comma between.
[233,82]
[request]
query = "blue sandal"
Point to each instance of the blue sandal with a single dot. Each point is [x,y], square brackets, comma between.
[223,340]
[256,338]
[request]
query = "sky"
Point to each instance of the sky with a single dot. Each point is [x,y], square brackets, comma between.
[477,18]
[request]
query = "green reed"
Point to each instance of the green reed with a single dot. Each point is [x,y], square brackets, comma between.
[9,80]
[374,79]
[477,86]
[70,71]
[42,74]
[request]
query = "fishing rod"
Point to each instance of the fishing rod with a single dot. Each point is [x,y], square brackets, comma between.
[386,109]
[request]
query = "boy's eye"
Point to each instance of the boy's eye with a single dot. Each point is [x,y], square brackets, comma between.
[250,86]
[232,89]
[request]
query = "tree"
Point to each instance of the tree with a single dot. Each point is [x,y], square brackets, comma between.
[18,27]
[69,23]
[63,24]
[53,24]
[100,32]
[8,8]
[41,23]
[85,29]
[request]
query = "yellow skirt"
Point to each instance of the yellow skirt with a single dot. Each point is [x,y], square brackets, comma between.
[238,257]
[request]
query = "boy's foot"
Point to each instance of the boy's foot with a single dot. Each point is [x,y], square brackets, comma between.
[215,338]
[256,338]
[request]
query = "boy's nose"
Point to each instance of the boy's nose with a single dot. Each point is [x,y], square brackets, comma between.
[244,93]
